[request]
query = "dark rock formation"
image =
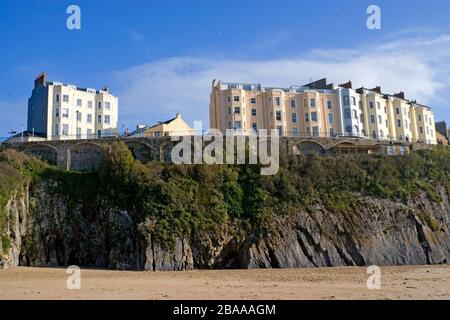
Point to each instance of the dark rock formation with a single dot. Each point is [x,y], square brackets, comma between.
[46,229]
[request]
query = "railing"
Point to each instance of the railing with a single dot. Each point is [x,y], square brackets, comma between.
[237,132]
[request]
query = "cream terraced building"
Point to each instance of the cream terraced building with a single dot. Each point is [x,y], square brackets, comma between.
[60,111]
[319,109]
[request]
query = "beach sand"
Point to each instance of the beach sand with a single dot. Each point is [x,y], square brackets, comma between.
[409,282]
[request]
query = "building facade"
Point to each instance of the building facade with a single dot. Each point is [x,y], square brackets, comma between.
[319,109]
[172,127]
[61,111]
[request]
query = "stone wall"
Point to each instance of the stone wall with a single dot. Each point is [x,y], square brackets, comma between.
[86,155]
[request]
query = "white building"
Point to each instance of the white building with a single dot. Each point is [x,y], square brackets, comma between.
[61,111]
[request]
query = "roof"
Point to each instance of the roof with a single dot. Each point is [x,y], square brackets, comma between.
[28,134]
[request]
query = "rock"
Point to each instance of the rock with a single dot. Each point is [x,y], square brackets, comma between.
[47,229]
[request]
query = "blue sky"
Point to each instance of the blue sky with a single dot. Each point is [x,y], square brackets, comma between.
[160,57]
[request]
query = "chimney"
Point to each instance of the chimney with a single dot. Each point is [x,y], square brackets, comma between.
[400,95]
[40,80]
[347,85]
[105,88]
[377,89]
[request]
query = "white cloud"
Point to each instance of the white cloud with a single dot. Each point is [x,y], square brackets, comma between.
[157,90]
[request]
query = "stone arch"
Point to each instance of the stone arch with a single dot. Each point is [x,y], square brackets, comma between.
[141,151]
[311,147]
[165,151]
[43,152]
[86,156]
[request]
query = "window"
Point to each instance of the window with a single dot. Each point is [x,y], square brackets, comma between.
[236,98]
[346,100]
[380,120]
[387,124]
[277,101]
[330,118]
[78,116]
[385,110]
[421,130]
[329,104]
[65,129]
[108,105]
[399,123]
[314,116]
[89,133]
[253,100]
[371,104]
[230,125]
[65,113]
[312,102]
[229,99]
[294,117]
[397,111]
[255,126]
[57,97]
[306,117]
[354,101]
[332,132]
[293,103]
[280,130]
[99,104]
[295,132]
[372,118]
[57,112]
[229,110]
[253,112]
[90,104]
[66,98]
[107,119]
[99,119]
[347,114]
[78,133]
[355,114]
[56,130]
[89,118]
[348,129]
[315,131]
[79,102]
[381,134]
[378,106]
[237,110]
[374,134]
[305,103]
[362,117]
[237,125]
[278,115]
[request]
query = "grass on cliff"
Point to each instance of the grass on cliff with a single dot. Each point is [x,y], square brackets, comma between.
[169,200]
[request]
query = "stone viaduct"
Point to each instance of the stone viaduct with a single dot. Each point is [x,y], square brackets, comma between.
[87,155]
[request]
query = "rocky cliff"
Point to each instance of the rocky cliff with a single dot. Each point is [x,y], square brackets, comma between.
[45,229]
[316,212]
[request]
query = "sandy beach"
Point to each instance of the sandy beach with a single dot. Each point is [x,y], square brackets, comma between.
[411,282]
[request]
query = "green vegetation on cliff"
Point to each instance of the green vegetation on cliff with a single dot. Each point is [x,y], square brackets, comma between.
[170,200]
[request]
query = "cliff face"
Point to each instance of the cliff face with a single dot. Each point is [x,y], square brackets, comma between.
[44,228]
